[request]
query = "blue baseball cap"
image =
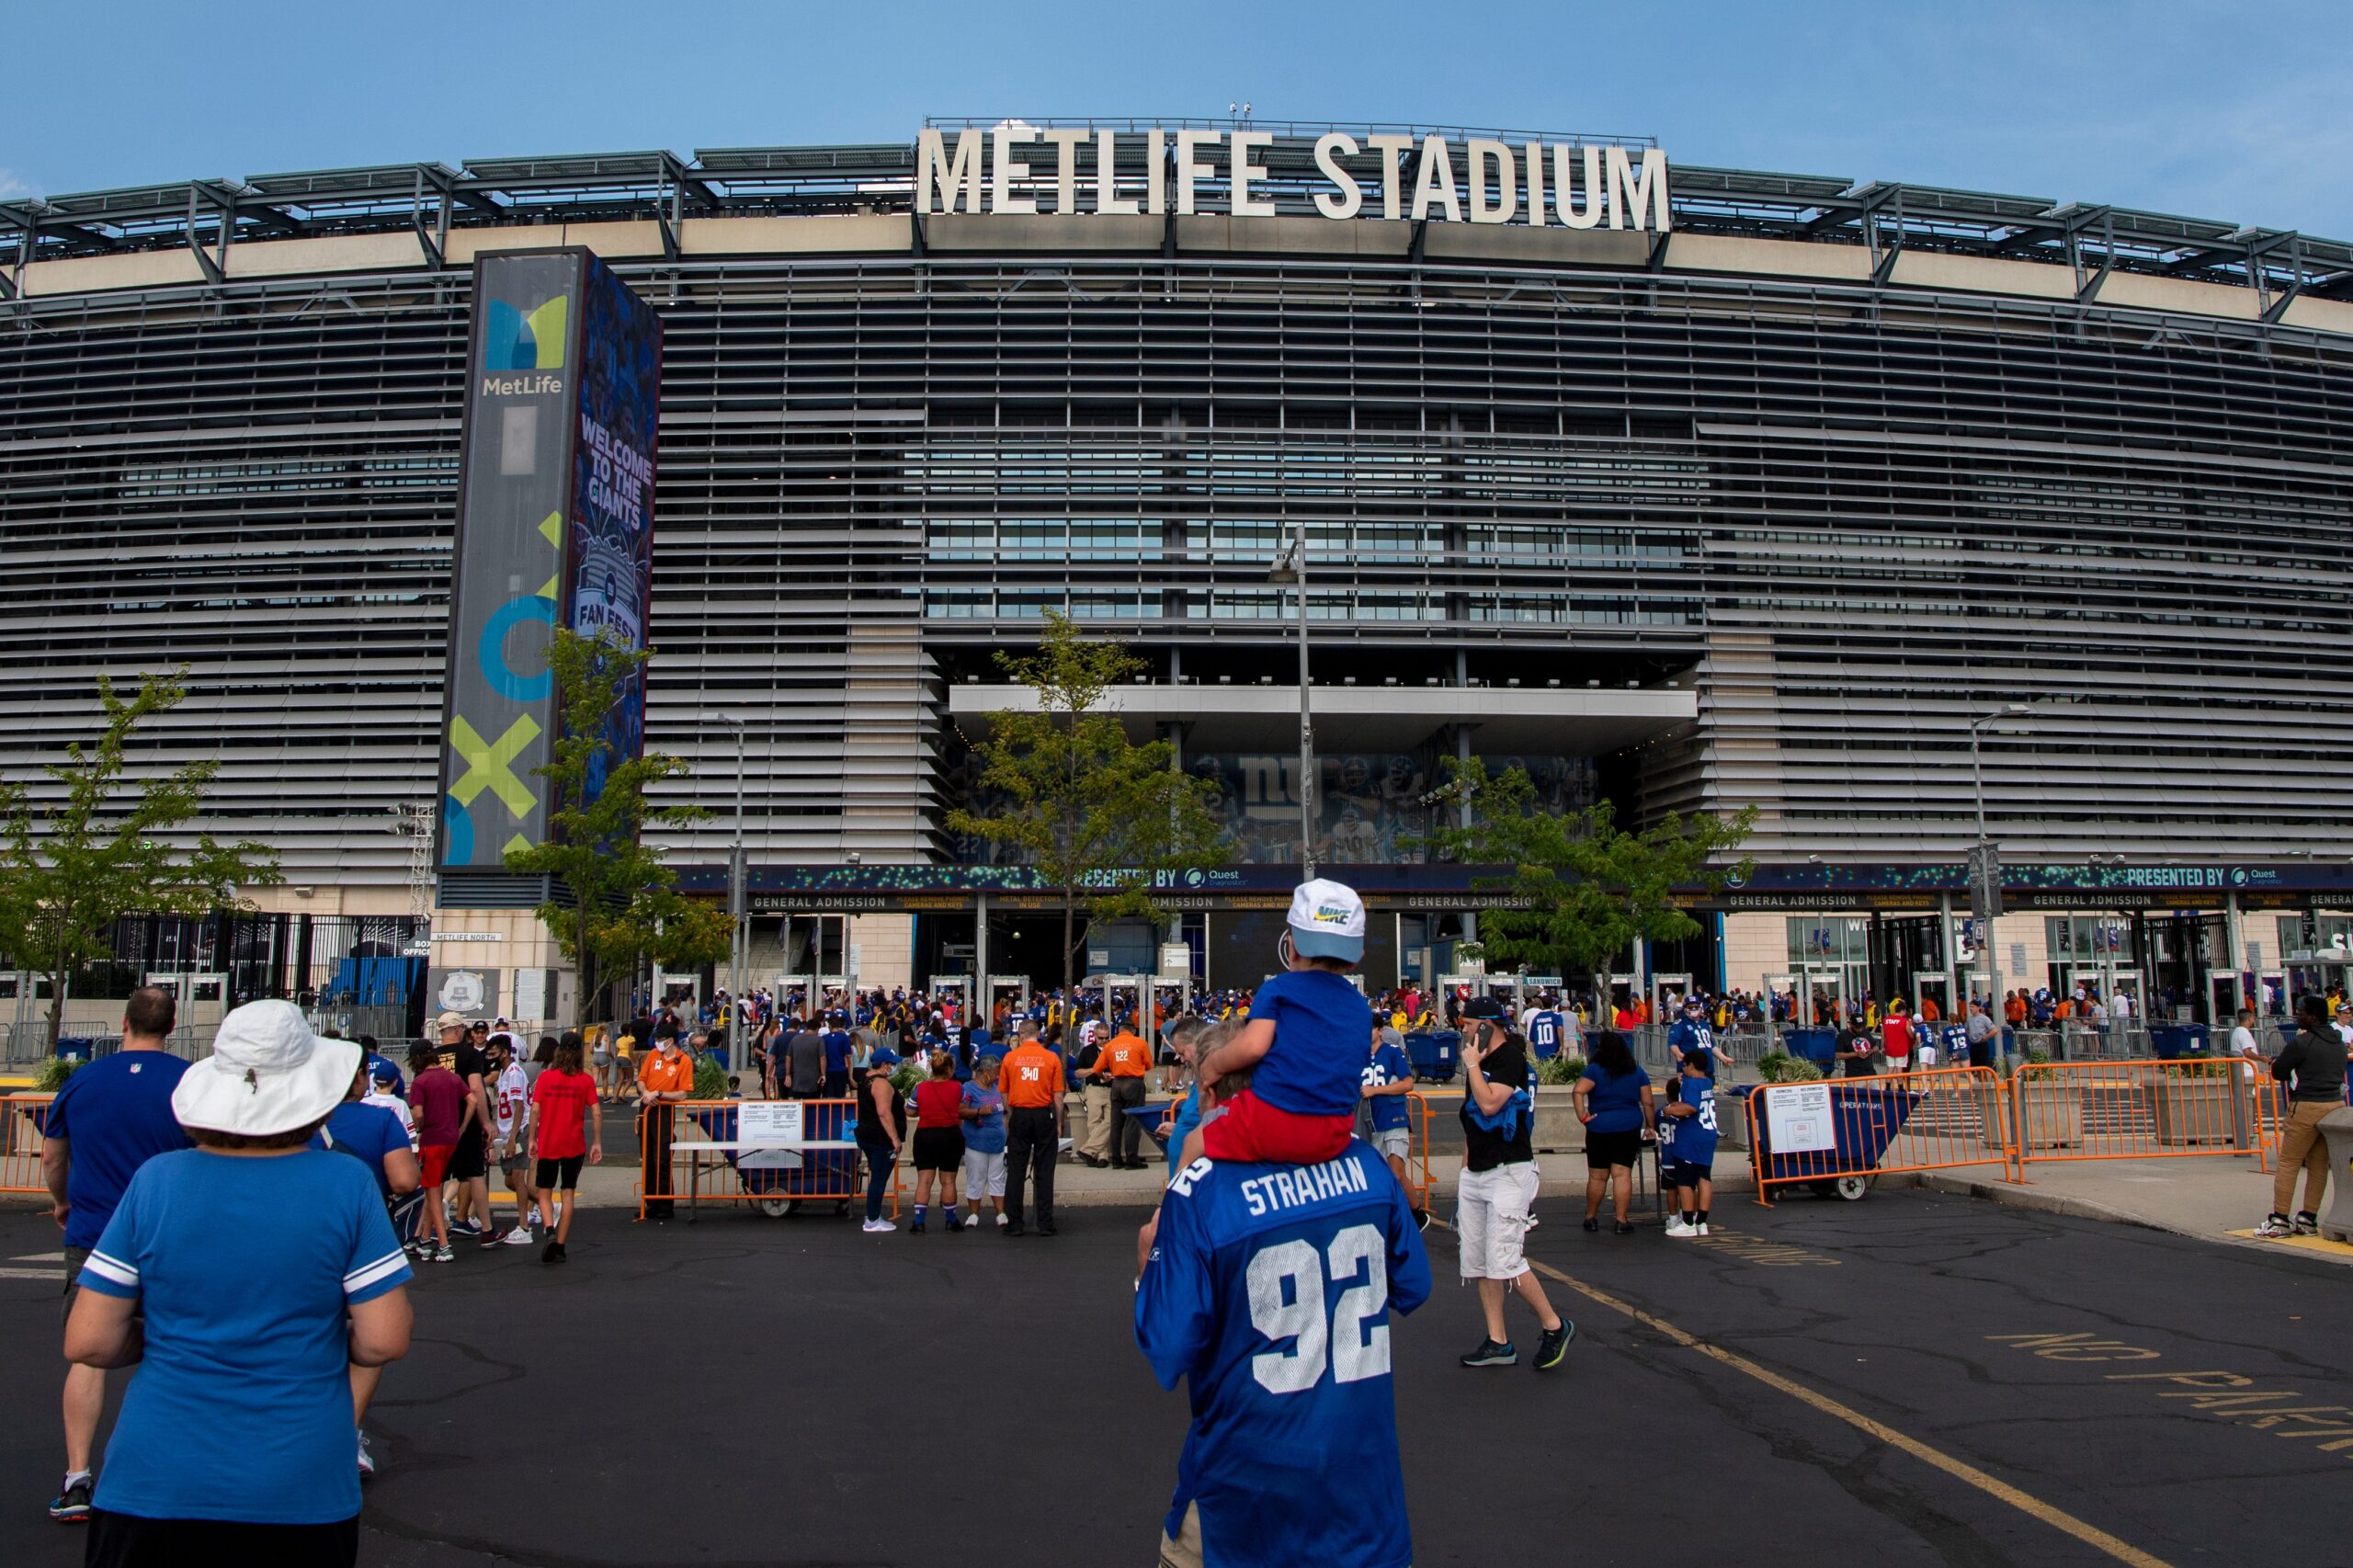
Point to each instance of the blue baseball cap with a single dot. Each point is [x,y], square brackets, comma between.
[885,1057]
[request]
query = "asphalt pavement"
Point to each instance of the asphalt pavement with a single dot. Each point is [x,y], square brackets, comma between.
[1911,1378]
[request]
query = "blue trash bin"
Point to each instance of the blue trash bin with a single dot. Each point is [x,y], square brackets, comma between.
[1432,1053]
[75,1048]
[2170,1043]
[1817,1046]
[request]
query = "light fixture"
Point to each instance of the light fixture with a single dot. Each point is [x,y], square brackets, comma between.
[1512,681]
[1813,860]
[855,858]
[1553,685]
[1592,683]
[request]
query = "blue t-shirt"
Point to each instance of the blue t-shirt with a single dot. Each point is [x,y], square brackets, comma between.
[836,1052]
[1544,1032]
[1316,1065]
[985,1136]
[380,1065]
[1694,1142]
[1388,1065]
[244,1264]
[976,1045]
[369,1131]
[1616,1102]
[1186,1116]
[1269,1290]
[116,1111]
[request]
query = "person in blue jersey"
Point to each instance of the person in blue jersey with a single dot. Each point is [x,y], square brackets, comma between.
[1268,1290]
[382,1069]
[1691,1031]
[1388,1079]
[1688,1160]
[1547,1031]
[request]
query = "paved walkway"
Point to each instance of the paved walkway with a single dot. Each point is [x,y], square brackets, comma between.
[2218,1197]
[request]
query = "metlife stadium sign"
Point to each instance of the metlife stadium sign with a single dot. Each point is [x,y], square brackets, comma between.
[1016,168]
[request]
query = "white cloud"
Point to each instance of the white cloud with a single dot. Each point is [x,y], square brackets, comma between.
[11,187]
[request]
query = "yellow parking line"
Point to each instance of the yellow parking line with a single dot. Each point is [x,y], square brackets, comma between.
[2308,1244]
[1993,1486]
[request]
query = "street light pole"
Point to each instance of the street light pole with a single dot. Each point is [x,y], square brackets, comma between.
[1993,957]
[738,904]
[1290,567]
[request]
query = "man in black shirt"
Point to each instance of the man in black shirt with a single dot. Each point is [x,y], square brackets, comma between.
[470,1163]
[1856,1047]
[2314,1063]
[1498,1187]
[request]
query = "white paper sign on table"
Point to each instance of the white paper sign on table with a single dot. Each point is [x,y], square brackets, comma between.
[769,1122]
[1798,1119]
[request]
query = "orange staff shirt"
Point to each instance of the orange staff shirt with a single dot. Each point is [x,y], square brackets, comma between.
[660,1073]
[1125,1056]
[1031,1076]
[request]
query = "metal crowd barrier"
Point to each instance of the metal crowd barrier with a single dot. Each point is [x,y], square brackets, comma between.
[709,1162]
[1419,1183]
[21,1119]
[1934,1119]
[2142,1109]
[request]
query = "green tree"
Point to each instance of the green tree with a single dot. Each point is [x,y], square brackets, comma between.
[1581,889]
[1095,813]
[77,863]
[623,906]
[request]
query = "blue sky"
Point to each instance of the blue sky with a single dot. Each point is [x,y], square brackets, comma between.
[2234,111]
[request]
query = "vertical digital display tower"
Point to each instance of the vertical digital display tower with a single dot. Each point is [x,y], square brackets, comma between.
[555,528]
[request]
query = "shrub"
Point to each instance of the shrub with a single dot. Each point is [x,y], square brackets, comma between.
[1780,1067]
[53,1073]
[1560,1069]
[710,1079]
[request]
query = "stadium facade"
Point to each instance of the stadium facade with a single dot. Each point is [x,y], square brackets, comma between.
[1691,487]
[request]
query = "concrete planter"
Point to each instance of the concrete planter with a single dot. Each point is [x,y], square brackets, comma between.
[2051,1115]
[1993,1113]
[2193,1109]
[1558,1130]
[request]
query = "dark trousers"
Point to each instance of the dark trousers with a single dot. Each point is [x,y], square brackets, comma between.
[126,1540]
[880,1159]
[1029,1149]
[1127,1132]
[656,1169]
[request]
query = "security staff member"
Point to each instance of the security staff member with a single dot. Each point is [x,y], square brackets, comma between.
[1126,1059]
[1031,1077]
[665,1076]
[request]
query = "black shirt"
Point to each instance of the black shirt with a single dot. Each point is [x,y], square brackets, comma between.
[2317,1062]
[1859,1040]
[1483,1150]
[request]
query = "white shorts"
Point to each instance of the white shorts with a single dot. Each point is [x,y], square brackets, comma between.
[1393,1143]
[1491,1212]
[983,1174]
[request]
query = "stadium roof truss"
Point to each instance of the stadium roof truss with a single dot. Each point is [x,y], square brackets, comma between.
[207,217]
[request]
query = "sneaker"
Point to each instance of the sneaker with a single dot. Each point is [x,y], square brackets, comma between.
[443,1254]
[1533,1221]
[972,1221]
[1679,1230]
[1555,1346]
[366,1460]
[521,1236]
[2275,1225]
[551,1253]
[72,1503]
[465,1228]
[1421,1219]
[2307,1223]
[1491,1354]
[493,1237]
[879,1227]
[914,1230]
[1592,1225]
[1701,1230]
[1002,1221]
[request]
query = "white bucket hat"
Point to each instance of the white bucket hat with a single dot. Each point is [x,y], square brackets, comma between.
[267,1074]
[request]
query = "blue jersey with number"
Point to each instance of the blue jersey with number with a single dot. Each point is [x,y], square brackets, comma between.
[1388,1065]
[1694,1143]
[1269,1290]
[1688,1036]
[1544,1032]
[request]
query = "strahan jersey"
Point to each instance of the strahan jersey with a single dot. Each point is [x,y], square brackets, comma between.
[1270,1290]
[1544,1032]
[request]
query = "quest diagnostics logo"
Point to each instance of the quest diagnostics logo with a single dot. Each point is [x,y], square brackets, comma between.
[516,340]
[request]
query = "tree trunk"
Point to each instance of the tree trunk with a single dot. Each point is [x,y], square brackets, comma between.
[56,1006]
[1070,943]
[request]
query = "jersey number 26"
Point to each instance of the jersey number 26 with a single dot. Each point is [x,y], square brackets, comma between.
[1359,1257]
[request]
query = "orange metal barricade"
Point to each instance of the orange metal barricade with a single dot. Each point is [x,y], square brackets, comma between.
[1419,1184]
[1938,1118]
[2143,1111]
[773,1179]
[21,1119]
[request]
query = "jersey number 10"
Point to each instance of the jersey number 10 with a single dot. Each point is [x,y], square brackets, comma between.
[1360,1258]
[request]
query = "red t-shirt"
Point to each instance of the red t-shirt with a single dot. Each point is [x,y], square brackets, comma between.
[437,1099]
[563,1099]
[1895,1038]
[938,1101]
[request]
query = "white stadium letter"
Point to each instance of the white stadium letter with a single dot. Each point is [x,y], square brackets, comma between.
[1007,169]
[1629,196]
[1390,149]
[1189,168]
[1565,191]
[1350,201]
[934,173]
[1066,139]
[1245,204]
[1106,195]
[1536,185]
[1436,181]
[1155,158]
[1484,153]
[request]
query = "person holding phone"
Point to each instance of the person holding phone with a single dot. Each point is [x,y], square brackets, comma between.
[1498,1187]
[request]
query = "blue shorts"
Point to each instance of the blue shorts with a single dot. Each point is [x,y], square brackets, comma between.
[1683,1172]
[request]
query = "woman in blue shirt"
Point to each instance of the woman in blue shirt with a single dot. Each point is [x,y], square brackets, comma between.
[1613,1101]
[265,1270]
